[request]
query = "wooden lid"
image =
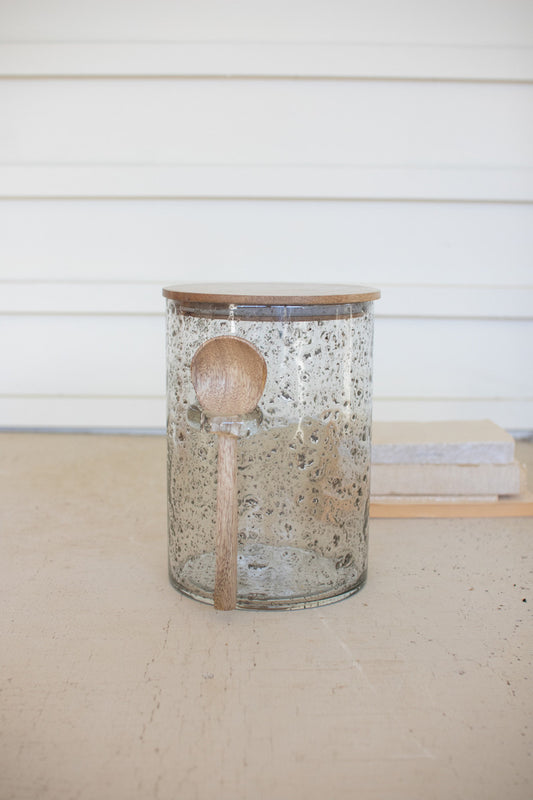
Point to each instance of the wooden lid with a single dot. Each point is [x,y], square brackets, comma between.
[260,294]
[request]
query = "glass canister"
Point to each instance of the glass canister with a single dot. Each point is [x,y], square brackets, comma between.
[303,453]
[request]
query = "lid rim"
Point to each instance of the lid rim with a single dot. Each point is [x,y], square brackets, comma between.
[271,293]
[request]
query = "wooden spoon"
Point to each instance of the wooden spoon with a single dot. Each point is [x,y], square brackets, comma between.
[228,374]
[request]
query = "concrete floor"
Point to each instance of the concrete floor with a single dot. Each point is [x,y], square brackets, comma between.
[116,686]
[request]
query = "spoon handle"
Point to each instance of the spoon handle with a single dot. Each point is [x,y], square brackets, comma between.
[225,594]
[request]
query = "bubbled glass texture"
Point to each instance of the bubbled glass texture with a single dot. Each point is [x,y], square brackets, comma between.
[303,468]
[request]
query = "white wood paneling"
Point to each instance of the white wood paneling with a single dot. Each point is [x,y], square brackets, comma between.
[459,358]
[144,143]
[456,302]
[334,181]
[341,139]
[267,59]
[412,22]
[93,413]
[457,40]
[269,123]
[168,241]
[513,414]
[82,355]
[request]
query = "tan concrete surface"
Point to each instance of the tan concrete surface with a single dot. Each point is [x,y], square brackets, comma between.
[116,686]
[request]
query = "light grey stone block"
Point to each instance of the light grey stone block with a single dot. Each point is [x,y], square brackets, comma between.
[445,479]
[391,499]
[468,442]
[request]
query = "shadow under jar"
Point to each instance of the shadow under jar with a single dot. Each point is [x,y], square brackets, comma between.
[303,455]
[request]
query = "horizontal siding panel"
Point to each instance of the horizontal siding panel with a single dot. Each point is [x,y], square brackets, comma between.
[457,302]
[182,137]
[168,241]
[106,355]
[82,356]
[85,413]
[503,22]
[144,298]
[514,415]
[459,358]
[266,59]
[94,298]
[270,181]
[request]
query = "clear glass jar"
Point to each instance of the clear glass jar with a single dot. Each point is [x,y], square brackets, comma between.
[303,464]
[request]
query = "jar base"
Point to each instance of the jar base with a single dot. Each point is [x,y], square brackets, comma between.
[270,578]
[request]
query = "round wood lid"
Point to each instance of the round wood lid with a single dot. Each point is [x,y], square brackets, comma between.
[264,294]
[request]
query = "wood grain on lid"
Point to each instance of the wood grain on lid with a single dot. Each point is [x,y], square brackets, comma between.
[304,294]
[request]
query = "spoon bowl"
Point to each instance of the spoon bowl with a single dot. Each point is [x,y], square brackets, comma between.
[228,374]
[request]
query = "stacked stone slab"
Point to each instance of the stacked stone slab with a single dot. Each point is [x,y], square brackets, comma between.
[432,461]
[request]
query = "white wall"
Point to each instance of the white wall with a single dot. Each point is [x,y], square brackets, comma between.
[151,142]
